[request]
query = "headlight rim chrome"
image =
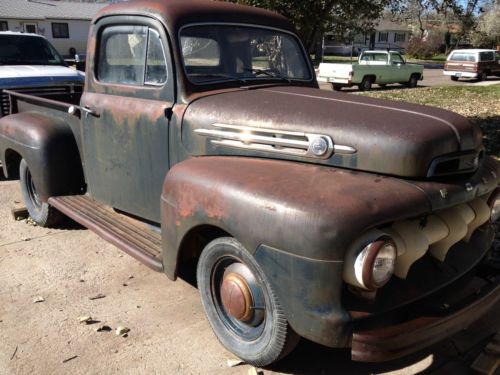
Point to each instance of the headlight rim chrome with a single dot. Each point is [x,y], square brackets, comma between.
[494,198]
[372,252]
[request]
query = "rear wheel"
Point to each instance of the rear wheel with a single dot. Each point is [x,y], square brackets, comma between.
[482,76]
[366,84]
[453,78]
[413,82]
[240,304]
[336,87]
[41,212]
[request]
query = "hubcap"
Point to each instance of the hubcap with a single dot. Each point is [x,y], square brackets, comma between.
[238,298]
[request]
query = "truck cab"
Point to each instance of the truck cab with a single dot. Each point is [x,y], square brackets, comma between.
[203,148]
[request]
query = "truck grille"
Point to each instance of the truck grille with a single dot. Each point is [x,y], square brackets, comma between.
[50,92]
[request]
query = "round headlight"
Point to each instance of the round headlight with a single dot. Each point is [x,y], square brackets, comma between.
[374,265]
[494,203]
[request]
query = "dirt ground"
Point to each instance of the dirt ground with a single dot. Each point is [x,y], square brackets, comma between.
[168,331]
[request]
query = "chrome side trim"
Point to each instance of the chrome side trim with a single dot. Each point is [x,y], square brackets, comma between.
[271,140]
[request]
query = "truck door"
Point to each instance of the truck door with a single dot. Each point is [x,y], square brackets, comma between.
[129,93]
[399,70]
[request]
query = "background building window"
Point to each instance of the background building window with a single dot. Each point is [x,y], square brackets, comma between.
[383,37]
[4,26]
[399,37]
[60,30]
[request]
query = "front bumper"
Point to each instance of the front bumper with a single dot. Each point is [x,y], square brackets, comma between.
[460,74]
[470,302]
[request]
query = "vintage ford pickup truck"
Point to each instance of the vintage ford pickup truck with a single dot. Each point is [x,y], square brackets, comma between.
[203,147]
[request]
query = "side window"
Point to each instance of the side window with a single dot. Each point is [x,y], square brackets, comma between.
[122,54]
[131,55]
[396,58]
[156,69]
[486,56]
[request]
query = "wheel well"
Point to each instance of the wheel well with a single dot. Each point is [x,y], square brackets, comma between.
[191,247]
[12,161]
[418,75]
[371,76]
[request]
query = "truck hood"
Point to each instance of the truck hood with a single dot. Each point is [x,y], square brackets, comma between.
[366,134]
[34,75]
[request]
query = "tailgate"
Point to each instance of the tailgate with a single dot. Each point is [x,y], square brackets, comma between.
[334,72]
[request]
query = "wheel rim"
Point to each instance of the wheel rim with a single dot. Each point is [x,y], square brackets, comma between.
[238,298]
[33,195]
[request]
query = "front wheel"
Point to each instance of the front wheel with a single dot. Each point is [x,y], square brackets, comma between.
[41,213]
[482,76]
[413,82]
[240,304]
[454,78]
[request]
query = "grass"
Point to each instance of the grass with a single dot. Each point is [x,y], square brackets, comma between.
[480,104]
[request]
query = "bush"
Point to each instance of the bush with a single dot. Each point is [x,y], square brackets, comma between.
[423,48]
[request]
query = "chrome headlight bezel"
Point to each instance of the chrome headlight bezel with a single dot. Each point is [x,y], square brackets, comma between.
[376,256]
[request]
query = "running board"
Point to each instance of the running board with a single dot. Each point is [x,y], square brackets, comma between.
[129,235]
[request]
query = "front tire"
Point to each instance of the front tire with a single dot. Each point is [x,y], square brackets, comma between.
[41,212]
[413,82]
[482,77]
[240,304]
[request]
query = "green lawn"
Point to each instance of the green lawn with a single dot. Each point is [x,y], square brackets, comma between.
[481,104]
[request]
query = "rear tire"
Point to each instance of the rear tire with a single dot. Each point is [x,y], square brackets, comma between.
[482,76]
[41,212]
[336,87]
[366,84]
[227,274]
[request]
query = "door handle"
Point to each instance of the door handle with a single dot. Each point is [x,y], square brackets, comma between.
[88,111]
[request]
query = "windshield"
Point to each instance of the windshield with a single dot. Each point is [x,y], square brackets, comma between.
[224,53]
[27,50]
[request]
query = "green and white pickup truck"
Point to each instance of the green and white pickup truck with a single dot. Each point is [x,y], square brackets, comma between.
[380,67]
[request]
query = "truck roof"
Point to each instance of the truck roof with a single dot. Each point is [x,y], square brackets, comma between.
[177,13]
[473,50]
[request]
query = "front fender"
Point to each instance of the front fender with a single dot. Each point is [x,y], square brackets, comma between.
[49,148]
[297,220]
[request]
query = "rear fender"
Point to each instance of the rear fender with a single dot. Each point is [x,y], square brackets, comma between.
[49,148]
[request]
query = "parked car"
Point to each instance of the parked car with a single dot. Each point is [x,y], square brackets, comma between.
[380,67]
[30,64]
[472,63]
[297,212]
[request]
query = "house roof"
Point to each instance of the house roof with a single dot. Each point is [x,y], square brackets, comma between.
[48,9]
[388,25]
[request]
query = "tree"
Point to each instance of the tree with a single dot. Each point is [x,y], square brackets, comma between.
[312,19]
[487,32]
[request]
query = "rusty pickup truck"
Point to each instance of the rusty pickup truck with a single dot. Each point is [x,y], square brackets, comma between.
[203,147]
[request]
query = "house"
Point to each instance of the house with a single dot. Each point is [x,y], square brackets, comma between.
[64,24]
[387,35]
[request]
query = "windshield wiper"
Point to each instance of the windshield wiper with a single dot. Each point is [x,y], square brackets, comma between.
[268,72]
[218,75]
